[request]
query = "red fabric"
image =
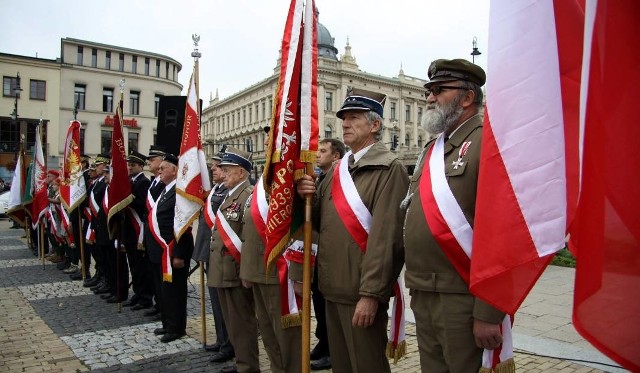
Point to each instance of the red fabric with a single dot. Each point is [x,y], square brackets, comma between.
[119,192]
[39,179]
[607,232]
[258,221]
[72,188]
[351,222]
[438,226]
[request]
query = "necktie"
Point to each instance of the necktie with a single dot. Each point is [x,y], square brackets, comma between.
[352,161]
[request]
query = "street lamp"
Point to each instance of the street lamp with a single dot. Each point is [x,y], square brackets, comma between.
[394,136]
[16,92]
[475,52]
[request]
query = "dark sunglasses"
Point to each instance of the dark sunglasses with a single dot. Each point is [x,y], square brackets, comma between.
[436,90]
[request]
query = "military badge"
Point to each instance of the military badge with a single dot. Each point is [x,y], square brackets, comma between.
[463,150]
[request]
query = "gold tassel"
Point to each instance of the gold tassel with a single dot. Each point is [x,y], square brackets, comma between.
[291,320]
[396,353]
[308,156]
[507,366]
[298,174]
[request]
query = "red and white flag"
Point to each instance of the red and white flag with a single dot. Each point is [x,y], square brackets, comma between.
[40,202]
[606,234]
[16,209]
[523,151]
[192,185]
[294,127]
[118,194]
[72,188]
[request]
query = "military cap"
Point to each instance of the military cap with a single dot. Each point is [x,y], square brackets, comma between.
[107,169]
[170,158]
[84,157]
[237,157]
[102,159]
[157,151]
[218,157]
[360,99]
[135,157]
[92,166]
[458,69]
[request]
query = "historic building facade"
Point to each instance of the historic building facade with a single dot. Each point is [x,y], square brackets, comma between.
[87,77]
[238,120]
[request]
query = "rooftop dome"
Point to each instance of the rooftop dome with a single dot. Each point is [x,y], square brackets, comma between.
[326,42]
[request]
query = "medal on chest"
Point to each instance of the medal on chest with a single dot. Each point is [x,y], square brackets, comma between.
[463,150]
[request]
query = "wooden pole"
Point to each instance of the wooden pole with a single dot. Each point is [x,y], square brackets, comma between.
[81,243]
[41,243]
[306,282]
[203,317]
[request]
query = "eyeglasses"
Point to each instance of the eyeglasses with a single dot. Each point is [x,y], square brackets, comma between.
[436,90]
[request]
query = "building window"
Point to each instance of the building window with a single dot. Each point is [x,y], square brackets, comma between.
[328,101]
[407,113]
[134,64]
[79,59]
[156,105]
[174,72]
[107,100]
[420,144]
[9,133]
[133,141]
[38,90]
[146,66]
[107,61]
[105,142]
[121,62]
[251,114]
[94,58]
[134,102]
[406,140]
[9,84]
[328,132]
[270,108]
[82,131]
[244,117]
[264,112]
[157,68]
[419,115]
[393,110]
[166,70]
[79,94]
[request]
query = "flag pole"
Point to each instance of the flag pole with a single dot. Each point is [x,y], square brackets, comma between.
[306,281]
[120,221]
[196,78]
[81,239]
[41,229]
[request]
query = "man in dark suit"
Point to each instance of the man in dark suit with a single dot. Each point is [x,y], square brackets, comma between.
[156,154]
[171,259]
[101,242]
[135,215]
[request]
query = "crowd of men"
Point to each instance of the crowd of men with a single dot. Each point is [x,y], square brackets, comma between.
[370,219]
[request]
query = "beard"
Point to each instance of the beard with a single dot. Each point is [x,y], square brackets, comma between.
[442,118]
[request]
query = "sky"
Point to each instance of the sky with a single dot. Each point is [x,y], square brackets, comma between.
[240,39]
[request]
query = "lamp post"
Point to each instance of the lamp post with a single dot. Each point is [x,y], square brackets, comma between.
[16,92]
[475,52]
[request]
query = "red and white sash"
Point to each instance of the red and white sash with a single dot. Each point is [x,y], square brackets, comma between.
[137,226]
[90,236]
[105,201]
[209,214]
[94,205]
[357,220]
[289,302]
[150,201]
[454,235]
[167,248]
[230,239]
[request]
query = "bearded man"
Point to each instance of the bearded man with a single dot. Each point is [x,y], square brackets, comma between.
[453,327]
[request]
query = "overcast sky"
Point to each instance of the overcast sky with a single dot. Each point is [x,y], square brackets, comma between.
[240,39]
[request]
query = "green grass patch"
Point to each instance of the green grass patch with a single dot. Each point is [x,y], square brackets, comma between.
[563,258]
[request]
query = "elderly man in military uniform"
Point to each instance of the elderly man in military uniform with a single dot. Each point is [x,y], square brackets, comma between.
[360,237]
[452,325]
[224,264]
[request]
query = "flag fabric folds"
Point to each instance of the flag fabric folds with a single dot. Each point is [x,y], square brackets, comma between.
[15,209]
[606,234]
[40,200]
[72,188]
[522,157]
[293,138]
[192,184]
[119,191]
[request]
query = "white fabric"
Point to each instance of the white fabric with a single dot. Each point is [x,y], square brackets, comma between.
[352,196]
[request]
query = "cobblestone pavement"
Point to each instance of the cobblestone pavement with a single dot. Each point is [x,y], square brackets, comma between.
[51,324]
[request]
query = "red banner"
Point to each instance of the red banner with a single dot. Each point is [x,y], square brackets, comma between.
[72,188]
[119,191]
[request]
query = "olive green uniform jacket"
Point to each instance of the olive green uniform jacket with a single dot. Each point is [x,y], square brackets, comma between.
[428,268]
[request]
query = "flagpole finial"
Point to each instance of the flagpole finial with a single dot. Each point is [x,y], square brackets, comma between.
[122,81]
[196,39]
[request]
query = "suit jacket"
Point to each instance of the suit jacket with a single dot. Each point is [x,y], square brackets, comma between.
[99,223]
[223,269]
[155,190]
[165,213]
[252,266]
[203,237]
[428,267]
[139,189]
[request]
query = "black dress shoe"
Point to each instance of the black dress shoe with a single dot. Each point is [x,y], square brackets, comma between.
[321,364]
[160,331]
[76,276]
[152,312]
[129,303]
[229,369]
[319,352]
[140,306]
[114,299]
[106,296]
[212,348]
[221,357]
[171,337]
[102,290]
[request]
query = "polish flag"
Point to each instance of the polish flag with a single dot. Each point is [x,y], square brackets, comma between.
[531,63]
[606,234]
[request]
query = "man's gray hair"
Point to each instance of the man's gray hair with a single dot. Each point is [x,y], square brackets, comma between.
[372,116]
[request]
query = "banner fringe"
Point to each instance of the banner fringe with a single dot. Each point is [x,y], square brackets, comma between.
[308,156]
[167,277]
[396,353]
[116,209]
[190,197]
[507,366]
[277,251]
[291,320]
